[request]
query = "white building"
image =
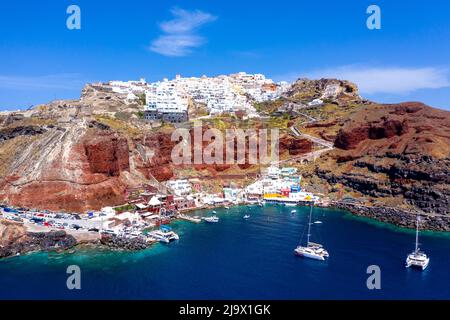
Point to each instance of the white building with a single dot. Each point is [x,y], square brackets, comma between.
[219,94]
[180,187]
[315,102]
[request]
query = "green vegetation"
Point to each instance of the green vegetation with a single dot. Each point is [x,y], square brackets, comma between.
[142,99]
[124,116]
[140,114]
[269,106]
[278,122]
[128,207]
[33,121]
[118,125]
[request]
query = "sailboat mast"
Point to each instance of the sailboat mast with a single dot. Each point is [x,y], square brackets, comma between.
[417,234]
[309,225]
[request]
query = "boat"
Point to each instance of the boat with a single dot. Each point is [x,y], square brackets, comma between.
[213,219]
[294,211]
[417,259]
[247,216]
[214,212]
[312,250]
[227,207]
[165,235]
[317,222]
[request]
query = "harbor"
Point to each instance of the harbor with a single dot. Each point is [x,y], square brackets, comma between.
[148,212]
[224,260]
[151,216]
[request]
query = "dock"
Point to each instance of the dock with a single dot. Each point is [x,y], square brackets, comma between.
[189,218]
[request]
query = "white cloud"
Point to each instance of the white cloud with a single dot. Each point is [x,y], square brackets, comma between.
[394,80]
[66,81]
[186,21]
[179,34]
[176,45]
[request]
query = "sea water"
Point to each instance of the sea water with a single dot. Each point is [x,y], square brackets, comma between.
[244,259]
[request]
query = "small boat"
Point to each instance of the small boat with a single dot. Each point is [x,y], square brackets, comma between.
[417,259]
[247,216]
[294,211]
[213,219]
[317,222]
[227,208]
[312,250]
[165,235]
[214,211]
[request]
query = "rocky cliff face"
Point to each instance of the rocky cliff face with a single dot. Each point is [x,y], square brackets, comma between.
[394,151]
[58,157]
[295,146]
[338,91]
[83,160]
[107,154]
[11,133]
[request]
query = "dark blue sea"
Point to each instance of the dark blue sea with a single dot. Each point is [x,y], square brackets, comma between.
[244,259]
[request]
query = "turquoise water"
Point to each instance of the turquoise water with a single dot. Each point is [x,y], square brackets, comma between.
[244,259]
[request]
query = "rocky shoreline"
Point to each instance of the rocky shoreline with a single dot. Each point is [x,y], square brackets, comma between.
[398,217]
[120,243]
[16,240]
[38,241]
[59,241]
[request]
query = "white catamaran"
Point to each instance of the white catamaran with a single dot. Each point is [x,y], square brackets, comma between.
[311,250]
[417,259]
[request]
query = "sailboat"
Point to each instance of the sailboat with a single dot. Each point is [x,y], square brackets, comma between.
[417,258]
[311,250]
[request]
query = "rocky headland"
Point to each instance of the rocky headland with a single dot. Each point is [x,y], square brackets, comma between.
[15,240]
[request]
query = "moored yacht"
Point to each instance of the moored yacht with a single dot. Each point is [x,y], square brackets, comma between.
[311,250]
[417,258]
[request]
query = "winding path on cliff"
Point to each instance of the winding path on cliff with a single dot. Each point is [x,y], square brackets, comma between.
[311,119]
[310,156]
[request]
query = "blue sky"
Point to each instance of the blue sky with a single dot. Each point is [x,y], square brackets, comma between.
[41,60]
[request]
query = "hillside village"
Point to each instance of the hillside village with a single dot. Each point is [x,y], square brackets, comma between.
[169,100]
